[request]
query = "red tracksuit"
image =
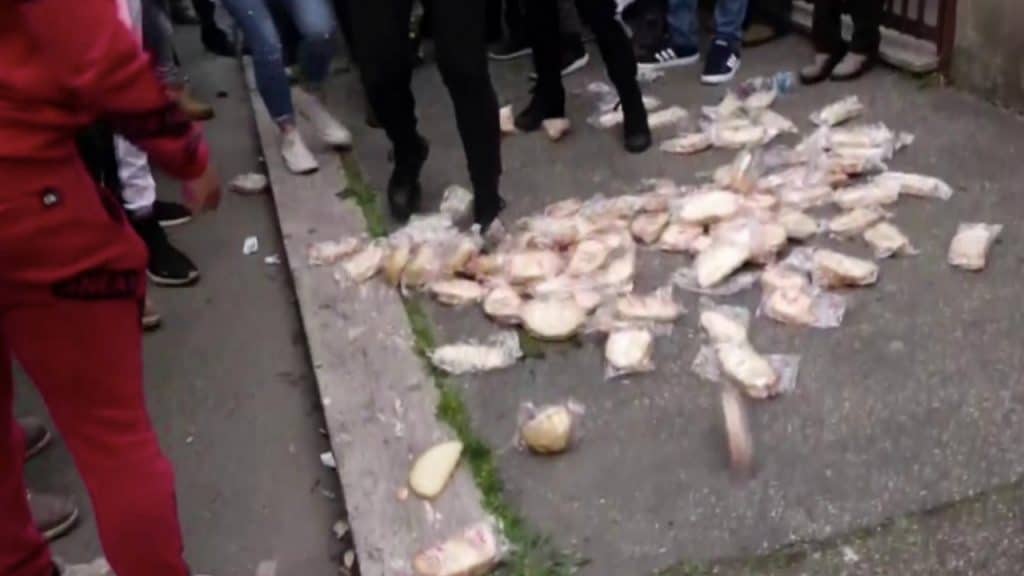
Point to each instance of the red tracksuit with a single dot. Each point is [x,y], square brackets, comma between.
[71,276]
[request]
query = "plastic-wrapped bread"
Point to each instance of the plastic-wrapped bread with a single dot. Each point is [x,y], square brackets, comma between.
[748,368]
[533,265]
[679,237]
[670,116]
[838,112]
[719,261]
[872,193]
[782,277]
[658,306]
[365,263]
[790,306]
[798,225]
[764,238]
[647,227]
[331,251]
[709,206]
[887,240]
[834,270]
[474,552]
[863,136]
[553,318]
[737,136]
[629,351]
[563,208]
[456,202]
[918,185]
[499,351]
[776,123]
[969,248]
[854,222]
[398,256]
[549,431]
[725,324]
[503,304]
[687,143]
[424,267]
[588,256]
[457,291]
[801,196]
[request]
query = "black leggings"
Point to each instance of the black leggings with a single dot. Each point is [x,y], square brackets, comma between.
[381,29]
[828,27]
[616,49]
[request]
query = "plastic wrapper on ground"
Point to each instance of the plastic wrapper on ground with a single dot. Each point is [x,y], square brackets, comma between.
[647,227]
[331,251]
[783,277]
[686,144]
[798,225]
[686,278]
[549,429]
[628,351]
[969,248]
[503,304]
[499,351]
[855,222]
[758,376]
[918,185]
[365,263]
[554,318]
[475,551]
[887,240]
[456,202]
[707,207]
[249,183]
[657,306]
[835,270]
[803,306]
[838,112]
[873,193]
[457,291]
[719,261]
[722,323]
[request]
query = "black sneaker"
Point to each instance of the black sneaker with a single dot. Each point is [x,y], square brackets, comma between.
[536,112]
[167,265]
[170,214]
[510,49]
[574,59]
[404,185]
[636,131]
[722,64]
[668,57]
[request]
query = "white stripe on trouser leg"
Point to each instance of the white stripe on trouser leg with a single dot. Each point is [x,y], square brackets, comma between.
[137,185]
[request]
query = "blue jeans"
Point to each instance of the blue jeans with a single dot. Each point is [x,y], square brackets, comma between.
[315,22]
[682,22]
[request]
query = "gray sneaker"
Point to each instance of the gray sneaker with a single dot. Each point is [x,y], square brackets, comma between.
[37,437]
[54,515]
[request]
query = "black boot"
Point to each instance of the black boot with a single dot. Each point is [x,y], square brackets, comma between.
[636,131]
[216,40]
[537,111]
[404,186]
[487,203]
[167,265]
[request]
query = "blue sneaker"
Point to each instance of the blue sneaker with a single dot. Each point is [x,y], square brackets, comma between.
[722,64]
[668,57]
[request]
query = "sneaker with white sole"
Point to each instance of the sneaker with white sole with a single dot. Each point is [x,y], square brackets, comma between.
[668,57]
[332,132]
[722,64]
[297,156]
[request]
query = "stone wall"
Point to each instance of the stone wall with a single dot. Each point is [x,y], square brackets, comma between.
[989,54]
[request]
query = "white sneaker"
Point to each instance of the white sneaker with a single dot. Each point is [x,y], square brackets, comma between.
[296,155]
[332,132]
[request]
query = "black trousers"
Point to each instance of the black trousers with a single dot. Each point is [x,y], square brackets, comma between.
[381,29]
[545,39]
[828,30]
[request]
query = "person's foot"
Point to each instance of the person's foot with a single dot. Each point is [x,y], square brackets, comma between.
[668,57]
[151,319]
[216,40]
[194,108]
[170,214]
[331,132]
[536,112]
[182,13]
[722,63]
[851,67]
[820,69]
[574,58]
[404,185]
[167,265]
[759,34]
[510,49]
[635,129]
[486,212]
[296,154]
[37,436]
[54,515]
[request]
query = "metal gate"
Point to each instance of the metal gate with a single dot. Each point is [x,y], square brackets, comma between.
[932,20]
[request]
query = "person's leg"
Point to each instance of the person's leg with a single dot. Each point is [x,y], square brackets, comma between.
[867,23]
[544,32]
[157,33]
[93,389]
[23,551]
[682,24]
[827,27]
[617,52]
[461,46]
[383,44]
[514,44]
[573,53]
[729,16]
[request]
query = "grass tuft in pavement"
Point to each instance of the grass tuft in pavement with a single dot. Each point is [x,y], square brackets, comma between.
[531,553]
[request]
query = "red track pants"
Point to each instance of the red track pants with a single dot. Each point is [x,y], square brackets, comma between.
[80,344]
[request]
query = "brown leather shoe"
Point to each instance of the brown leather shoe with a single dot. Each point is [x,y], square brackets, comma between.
[37,437]
[195,109]
[54,515]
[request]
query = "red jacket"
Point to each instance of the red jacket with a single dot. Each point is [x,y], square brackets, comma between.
[65,64]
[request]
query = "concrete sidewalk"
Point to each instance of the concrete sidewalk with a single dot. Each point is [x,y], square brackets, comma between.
[230,387]
[913,403]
